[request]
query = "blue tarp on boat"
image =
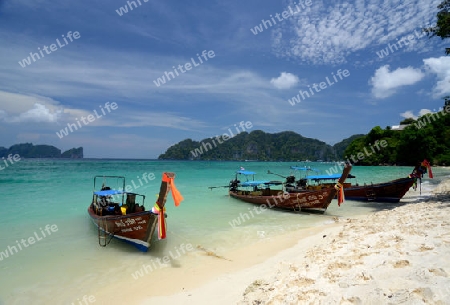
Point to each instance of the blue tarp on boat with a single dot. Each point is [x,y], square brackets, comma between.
[324,177]
[258,182]
[108,192]
[327,177]
[244,172]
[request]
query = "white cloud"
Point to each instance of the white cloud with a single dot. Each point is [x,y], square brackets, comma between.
[441,67]
[285,81]
[38,114]
[385,82]
[424,111]
[327,33]
[16,103]
[409,114]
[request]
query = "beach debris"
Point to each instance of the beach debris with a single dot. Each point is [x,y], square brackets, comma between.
[254,286]
[401,263]
[211,253]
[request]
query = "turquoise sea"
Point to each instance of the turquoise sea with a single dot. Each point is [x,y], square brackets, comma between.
[47,200]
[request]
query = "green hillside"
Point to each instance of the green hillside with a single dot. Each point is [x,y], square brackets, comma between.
[257,145]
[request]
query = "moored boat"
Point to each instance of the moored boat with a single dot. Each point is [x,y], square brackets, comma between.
[262,194]
[122,215]
[390,191]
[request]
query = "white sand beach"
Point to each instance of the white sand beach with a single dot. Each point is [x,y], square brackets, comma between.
[393,256]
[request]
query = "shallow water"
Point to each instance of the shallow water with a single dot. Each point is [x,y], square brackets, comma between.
[67,263]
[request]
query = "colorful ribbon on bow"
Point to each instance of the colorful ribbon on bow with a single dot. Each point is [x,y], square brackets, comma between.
[428,165]
[340,195]
[167,183]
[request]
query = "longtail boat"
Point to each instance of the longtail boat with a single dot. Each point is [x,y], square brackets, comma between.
[262,194]
[390,191]
[122,215]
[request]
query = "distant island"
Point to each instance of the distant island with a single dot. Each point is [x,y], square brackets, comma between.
[28,150]
[258,145]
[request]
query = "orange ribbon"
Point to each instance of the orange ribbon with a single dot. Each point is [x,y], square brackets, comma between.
[177,198]
[340,188]
[428,165]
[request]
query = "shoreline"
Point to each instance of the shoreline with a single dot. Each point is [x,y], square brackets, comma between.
[203,267]
[380,256]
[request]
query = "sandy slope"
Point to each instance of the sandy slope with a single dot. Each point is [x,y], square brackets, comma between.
[390,257]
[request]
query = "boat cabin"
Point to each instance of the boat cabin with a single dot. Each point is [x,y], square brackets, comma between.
[108,201]
[253,187]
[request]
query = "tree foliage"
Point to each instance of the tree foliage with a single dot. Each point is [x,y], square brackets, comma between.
[442,28]
[428,137]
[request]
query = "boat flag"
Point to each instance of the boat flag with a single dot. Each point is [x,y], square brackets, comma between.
[177,197]
[167,184]
[428,165]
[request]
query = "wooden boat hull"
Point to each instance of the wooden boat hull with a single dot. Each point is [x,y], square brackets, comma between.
[314,201]
[391,191]
[137,229]
[308,201]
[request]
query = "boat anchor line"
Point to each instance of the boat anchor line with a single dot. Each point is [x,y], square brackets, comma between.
[103,235]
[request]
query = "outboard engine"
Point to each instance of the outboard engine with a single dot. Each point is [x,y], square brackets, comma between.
[234,184]
[301,183]
[290,179]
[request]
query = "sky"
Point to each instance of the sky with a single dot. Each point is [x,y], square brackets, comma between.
[128,79]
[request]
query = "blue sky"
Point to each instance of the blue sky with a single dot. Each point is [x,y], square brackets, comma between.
[117,58]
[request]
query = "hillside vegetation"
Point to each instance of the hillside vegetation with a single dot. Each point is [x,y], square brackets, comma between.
[257,145]
[427,137]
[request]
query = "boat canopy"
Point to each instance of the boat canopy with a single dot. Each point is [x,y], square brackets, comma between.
[258,182]
[304,168]
[244,172]
[108,192]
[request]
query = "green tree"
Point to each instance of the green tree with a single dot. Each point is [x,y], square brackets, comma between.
[407,121]
[442,28]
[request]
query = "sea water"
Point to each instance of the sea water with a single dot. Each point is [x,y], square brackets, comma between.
[45,201]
